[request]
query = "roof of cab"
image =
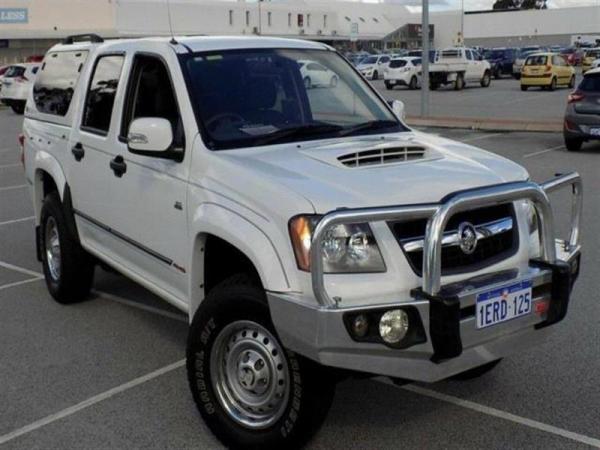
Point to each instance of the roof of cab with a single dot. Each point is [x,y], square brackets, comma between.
[185,44]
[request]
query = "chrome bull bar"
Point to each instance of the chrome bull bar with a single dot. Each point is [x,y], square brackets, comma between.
[440,213]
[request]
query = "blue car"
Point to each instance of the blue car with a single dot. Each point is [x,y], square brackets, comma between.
[501,60]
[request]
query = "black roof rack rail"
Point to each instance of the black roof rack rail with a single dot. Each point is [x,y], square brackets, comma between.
[87,37]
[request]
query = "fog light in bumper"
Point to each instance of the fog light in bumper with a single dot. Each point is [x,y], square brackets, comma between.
[360,326]
[393,326]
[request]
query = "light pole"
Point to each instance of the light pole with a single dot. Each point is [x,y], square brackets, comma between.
[259,18]
[425,60]
[462,22]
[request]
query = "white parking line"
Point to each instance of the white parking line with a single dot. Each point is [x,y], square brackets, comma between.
[21,269]
[89,402]
[19,283]
[487,136]
[6,166]
[541,152]
[10,188]
[581,438]
[133,304]
[24,219]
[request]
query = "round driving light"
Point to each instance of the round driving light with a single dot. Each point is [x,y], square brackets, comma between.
[393,326]
[360,325]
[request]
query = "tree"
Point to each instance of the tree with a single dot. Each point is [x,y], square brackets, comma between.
[520,4]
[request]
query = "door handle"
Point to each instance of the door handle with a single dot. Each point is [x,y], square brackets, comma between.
[118,166]
[78,151]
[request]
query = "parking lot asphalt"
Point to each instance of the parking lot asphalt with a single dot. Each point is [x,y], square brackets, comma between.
[502,100]
[107,373]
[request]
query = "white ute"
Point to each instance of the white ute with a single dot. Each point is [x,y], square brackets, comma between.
[458,66]
[309,234]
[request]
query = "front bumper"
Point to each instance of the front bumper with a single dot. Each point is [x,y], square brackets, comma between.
[452,343]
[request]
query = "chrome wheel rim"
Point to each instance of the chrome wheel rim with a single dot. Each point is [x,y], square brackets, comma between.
[52,244]
[249,374]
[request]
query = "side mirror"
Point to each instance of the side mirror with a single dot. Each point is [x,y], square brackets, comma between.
[398,108]
[151,136]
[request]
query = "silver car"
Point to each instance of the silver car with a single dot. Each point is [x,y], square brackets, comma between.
[582,117]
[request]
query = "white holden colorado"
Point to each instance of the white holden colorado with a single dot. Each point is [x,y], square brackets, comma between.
[306,231]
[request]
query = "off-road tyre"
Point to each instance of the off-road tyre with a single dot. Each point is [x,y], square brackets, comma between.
[238,301]
[73,281]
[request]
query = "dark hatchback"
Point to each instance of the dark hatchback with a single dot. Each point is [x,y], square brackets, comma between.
[582,117]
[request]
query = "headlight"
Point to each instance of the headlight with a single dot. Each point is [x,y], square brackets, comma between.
[533,227]
[347,248]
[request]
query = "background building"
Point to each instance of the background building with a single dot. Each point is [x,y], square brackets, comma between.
[29,27]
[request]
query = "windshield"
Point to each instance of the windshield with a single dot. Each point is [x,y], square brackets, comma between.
[369,60]
[246,98]
[494,54]
[396,63]
[536,60]
[15,72]
[590,83]
[592,53]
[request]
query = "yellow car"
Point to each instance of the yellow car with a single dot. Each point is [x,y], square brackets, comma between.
[589,57]
[546,70]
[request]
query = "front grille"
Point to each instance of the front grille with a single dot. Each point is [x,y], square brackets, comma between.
[492,247]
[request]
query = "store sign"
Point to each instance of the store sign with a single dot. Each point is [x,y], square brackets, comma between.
[14,15]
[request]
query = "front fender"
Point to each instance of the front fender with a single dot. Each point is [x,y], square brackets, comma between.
[246,236]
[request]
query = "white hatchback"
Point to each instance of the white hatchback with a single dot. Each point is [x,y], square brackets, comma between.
[403,72]
[317,75]
[373,66]
[16,84]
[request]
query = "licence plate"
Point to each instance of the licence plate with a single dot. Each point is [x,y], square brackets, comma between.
[503,304]
[595,131]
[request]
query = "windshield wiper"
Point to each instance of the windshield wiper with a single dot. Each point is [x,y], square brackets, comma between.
[367,126]
[300,131]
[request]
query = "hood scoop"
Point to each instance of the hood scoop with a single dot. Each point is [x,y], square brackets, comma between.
[383,155]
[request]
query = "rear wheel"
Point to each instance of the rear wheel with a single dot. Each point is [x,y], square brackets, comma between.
[388,86]
[18,107]
[476,372]
[459,83]
[413,83]
[250,390]
[573,144]
[307,83]
[375,75]
[524,88]
[552,86]
[68,269]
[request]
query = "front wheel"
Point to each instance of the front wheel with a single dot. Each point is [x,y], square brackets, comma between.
[552,86]
[250,390]
[388,86]
[307,83]
[524,88]
[333,82]
[375,75]
[486,80]
[459,83]
[413,83]
[68,269]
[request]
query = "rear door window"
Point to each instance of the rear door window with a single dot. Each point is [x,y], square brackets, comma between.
[56,81]
[101,94]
